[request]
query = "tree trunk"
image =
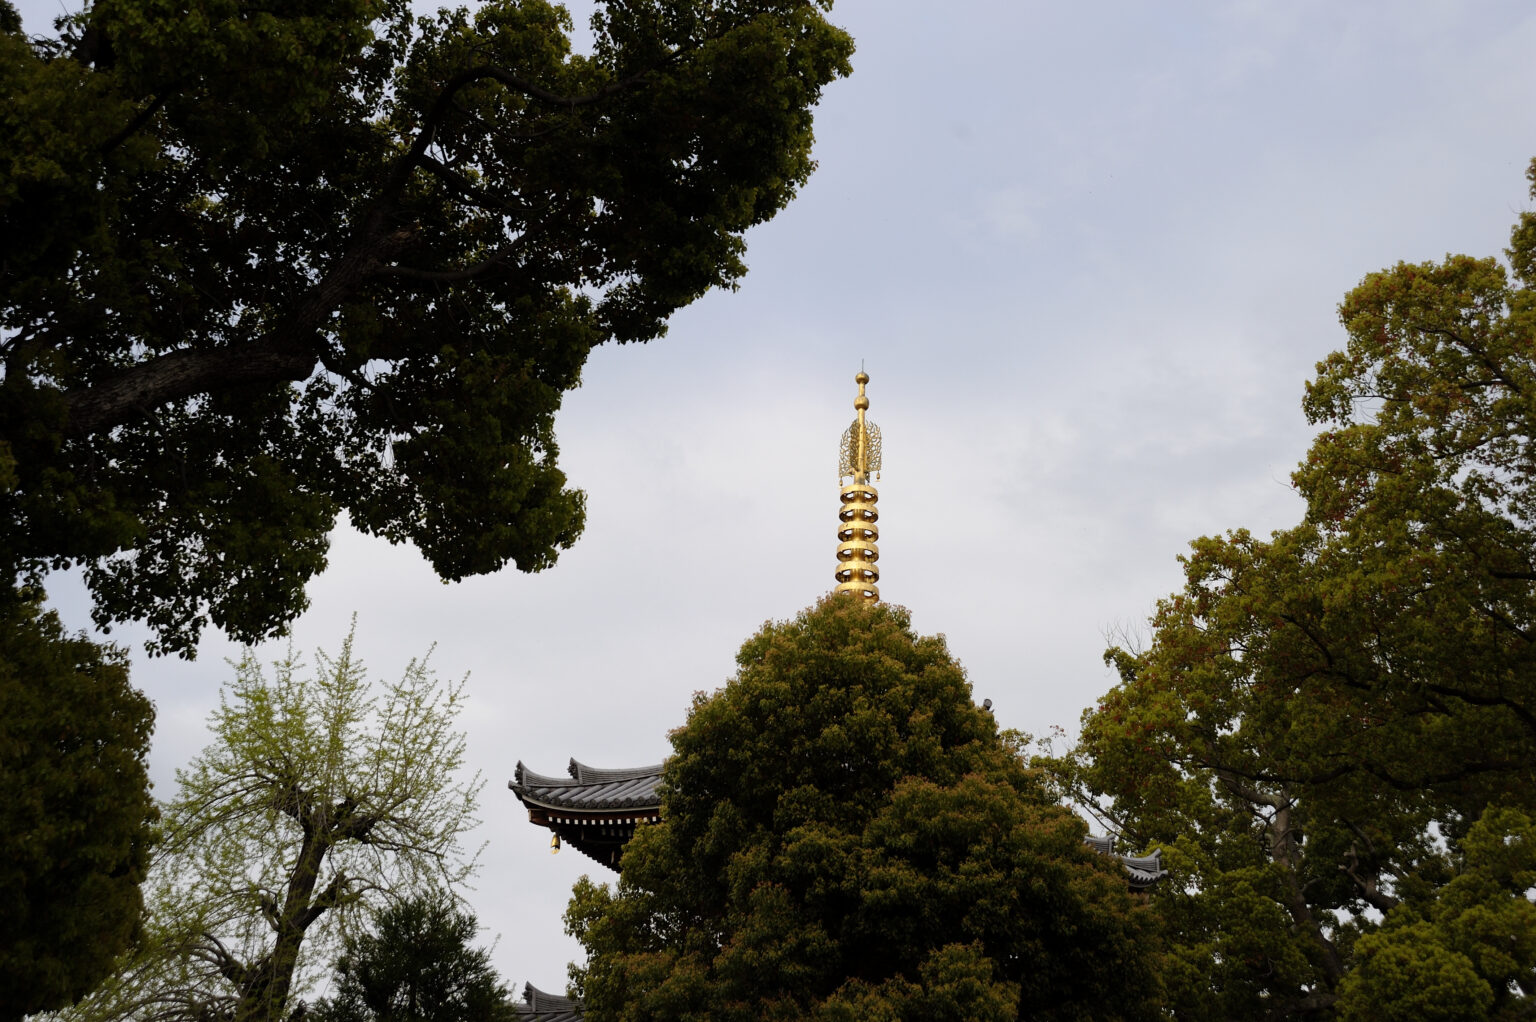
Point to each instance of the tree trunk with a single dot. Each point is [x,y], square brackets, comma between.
[264,997]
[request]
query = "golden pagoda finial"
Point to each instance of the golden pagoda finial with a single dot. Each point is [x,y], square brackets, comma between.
[859,456]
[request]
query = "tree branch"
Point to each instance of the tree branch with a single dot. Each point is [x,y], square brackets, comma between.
[287,353]
[133,126]
[413,157]
[1369,886]
[466,188]
[229,967]
[1525,716]
[463,273]
[292,349]
[327,899]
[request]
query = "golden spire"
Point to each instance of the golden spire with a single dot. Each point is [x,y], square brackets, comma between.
[857,553]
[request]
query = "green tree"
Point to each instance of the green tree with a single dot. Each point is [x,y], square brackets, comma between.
[262,264]
[845,835]
[1323,720]
[77,819]
[417,965]
[316,801]
[1460,953]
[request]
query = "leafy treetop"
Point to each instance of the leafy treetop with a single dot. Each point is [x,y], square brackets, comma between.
[264,264]
[1339,722]
[76,819]
[845,835]
[319,799]
[418,963]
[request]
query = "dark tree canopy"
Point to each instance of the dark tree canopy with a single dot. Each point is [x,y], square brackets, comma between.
[76,819]
[845,835]
[263,264]
[418,964]
[1337,725]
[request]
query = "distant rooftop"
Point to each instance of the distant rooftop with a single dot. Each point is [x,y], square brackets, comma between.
[589,788]
[538,1006]
[596,811]
[593,810]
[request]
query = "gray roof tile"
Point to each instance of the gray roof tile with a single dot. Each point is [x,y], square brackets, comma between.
[1144,870]
[589,788]
[539,1006]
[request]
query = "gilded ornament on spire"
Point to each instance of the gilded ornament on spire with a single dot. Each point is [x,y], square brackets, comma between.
[859,457]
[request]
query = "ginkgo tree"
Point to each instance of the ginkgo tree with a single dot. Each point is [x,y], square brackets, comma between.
[319,799]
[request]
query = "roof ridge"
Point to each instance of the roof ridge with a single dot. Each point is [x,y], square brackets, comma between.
[525,778]
[541,1000]
[584,774]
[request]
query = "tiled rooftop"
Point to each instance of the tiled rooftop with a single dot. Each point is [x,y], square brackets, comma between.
[1145,870]
[538,1006]
[589,788]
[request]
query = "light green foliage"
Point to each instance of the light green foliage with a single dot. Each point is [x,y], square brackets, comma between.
[416,964]
[76,817]
[316,801]
[1323,717]
[1458,953]
[1406,975]
[265,263]
[845,835]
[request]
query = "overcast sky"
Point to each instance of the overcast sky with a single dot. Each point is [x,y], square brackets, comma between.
[1088,253]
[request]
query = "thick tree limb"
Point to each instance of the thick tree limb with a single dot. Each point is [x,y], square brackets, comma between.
[143,117]
[1286,855]
[213,949]
[288,353]
[462,185]
[327,899]
[292,350]
[1368,885]
[1525,716]
[1248,792]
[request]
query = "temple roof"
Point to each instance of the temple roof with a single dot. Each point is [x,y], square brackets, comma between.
[1143,870]
[595,791]
[589,788]
[538,1006]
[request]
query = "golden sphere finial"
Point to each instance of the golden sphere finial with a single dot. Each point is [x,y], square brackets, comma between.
[861,402]
[862,378]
